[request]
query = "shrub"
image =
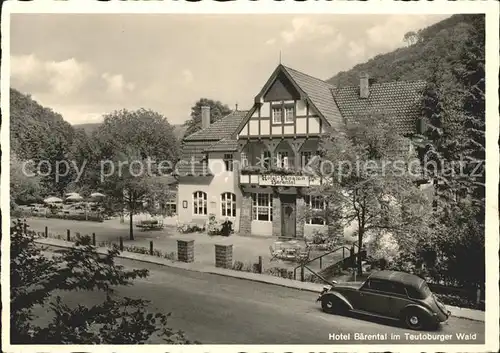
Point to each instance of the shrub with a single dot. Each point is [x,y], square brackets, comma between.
[462,302]
[190,228]
[280,272]
[245,267]
[141,250]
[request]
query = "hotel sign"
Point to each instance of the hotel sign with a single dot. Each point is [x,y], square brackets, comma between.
[283,180]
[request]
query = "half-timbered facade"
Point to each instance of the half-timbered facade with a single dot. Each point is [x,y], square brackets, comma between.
[249,165]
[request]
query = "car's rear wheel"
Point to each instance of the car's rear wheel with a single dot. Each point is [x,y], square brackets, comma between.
[332,305]
[414,319]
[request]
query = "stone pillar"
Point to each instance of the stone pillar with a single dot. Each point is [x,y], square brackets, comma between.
[224,256]
[276,215]
[185,250]
[301,215]
[246,214]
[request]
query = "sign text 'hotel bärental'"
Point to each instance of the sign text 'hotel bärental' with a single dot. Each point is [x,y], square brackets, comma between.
[283,180]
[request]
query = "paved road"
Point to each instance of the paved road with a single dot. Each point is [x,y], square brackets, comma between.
[221,310]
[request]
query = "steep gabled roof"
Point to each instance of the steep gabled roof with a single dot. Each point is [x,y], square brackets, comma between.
[222,128]
[399,100]
[216,136]
[320,94]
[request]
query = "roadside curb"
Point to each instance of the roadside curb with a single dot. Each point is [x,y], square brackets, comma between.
[463,313]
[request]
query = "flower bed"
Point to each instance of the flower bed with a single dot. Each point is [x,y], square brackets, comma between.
[141,250]
[190,228]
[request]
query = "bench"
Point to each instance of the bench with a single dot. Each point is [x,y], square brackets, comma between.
[153,224]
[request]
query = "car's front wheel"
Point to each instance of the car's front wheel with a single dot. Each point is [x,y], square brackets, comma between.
[414,319]
[332,305]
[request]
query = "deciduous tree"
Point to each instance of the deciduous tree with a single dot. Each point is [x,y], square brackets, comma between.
[135,148]
[217,110]
[368,180]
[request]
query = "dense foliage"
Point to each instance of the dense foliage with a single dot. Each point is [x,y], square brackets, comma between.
[129,153]
[417,61]
[450,56]
[38,133]
[38,280]
[368,184]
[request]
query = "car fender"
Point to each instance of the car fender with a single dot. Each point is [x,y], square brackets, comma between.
[420,308]
[338,296]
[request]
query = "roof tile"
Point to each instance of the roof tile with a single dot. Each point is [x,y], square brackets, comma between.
[222,128]
[399,100]
[224,145]
[320,94]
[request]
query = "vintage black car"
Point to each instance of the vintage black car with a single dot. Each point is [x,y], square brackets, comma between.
[388,294]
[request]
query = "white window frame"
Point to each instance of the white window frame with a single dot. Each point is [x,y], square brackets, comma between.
[265,159]
[282,159]
[289,118]
[305,158]
[244,159]
[228,205]
[315,200]
[200,197]
[262,204]
[275,109]
[228,162]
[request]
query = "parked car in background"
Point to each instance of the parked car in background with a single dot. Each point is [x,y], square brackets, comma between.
[388,294]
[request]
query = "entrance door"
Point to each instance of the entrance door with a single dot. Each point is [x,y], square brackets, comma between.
[288,216]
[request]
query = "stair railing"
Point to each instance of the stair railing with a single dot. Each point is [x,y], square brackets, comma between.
[303,265]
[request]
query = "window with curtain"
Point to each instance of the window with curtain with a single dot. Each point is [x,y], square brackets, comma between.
[282,159]
[289,114]
[277,115]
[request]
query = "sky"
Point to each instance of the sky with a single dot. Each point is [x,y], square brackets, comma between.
[86,65]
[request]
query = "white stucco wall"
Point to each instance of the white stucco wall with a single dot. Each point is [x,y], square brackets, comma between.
[263,228]
[223,181]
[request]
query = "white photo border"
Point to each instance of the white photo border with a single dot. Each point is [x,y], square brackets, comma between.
[489,8]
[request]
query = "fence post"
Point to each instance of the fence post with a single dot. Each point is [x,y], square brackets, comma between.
[121,244]
[320,263]
[302,273]
[25,227]
[68,237]
[46,232]
[93,239]
[343,253]
[260,264]
[151,247]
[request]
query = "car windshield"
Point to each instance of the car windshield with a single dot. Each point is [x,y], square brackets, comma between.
[420,293]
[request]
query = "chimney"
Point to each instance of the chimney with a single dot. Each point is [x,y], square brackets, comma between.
[364,85]
[205,116]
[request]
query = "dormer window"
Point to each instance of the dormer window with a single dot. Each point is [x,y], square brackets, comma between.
[283,113]
[277,115]
[289,116]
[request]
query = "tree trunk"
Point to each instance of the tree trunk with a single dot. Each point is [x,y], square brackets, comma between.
[358,256]
[131,226]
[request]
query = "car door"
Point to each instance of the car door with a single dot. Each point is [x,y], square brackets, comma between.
[374,297]
[398,300]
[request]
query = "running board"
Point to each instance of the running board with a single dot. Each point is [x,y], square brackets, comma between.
[372,314]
